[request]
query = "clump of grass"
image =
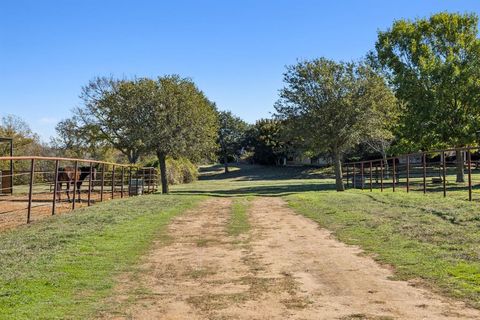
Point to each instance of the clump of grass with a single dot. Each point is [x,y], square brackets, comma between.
[200,273]
[211,302]
[205,242]
[65,266]
[239,223]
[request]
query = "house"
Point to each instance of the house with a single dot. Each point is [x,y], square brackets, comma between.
[414,159]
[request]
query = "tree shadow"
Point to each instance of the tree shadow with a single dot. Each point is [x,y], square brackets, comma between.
[270,175]
[271,191]
[243,172]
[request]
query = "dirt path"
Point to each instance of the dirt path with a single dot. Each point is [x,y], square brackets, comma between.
[285,268]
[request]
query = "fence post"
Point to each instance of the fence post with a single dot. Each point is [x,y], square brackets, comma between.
[444,175]
[55,181]
[424,172]
[90,184]
[129,181]
[113,180]
[151,180]
[361,169]
[381,175]
[102,181]
[11,167]
[469,174]
[123,176]
[144,179]
[408,173]
[353,179]
[30,189]
[371,173]
[147,180]
[393,174]
[74,184]
[348,183]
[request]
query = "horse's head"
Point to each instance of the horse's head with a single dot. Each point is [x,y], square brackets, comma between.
[88,171]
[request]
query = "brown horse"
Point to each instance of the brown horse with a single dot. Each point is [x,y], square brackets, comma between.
[68,175]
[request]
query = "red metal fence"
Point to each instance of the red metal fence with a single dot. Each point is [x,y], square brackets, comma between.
[429,171]
[35,187]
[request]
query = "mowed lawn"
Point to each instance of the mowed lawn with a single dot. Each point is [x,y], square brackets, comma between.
[68,266]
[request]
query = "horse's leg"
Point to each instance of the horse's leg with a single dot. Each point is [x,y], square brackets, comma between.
[68,191]
[79,184]
[59,190]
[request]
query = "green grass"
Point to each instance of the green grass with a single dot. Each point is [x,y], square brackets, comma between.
[256,181]
[239,223]
[423,237]
[65,266]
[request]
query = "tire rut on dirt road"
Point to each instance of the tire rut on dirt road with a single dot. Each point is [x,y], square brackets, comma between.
[286,267]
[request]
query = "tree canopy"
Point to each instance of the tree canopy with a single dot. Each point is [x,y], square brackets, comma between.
[180,121]
[433,65]
[267,139]
[231,136]
[168,116]
[332,106]
[114,111]
[25,141]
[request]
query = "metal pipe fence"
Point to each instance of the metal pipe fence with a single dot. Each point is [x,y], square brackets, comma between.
[36,187]
[428,171]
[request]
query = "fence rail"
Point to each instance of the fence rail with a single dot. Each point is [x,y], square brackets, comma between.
[35,187]
[436,171]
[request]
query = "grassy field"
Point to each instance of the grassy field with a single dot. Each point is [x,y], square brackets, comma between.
[68,265]
[65,266]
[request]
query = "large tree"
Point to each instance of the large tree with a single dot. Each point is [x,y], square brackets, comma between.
[231,135]
[332,106]
[181,121]
[168,116]
[115,111]
[434,65]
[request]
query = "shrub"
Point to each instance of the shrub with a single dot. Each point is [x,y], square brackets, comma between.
[179,170]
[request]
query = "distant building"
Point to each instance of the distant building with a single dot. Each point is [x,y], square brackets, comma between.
[304,160]
[416,158]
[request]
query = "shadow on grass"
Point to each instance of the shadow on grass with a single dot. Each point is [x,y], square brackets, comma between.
[269,190]
[243,172]
[266,181]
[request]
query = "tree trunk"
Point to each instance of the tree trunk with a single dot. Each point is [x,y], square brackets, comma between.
[338,172]
[460,169]
[385,165]
[225,163]
[132,159]
[163,170]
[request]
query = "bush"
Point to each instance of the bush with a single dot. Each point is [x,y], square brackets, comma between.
[179,170]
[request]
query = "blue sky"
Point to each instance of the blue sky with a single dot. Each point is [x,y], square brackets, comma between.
[236,51]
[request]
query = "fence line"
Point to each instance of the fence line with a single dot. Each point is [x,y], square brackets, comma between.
[413,171]
[34,184]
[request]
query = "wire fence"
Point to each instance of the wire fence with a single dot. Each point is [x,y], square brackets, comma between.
[32,188]
[453,172]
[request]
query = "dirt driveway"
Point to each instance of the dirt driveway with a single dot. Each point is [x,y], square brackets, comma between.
[286,267]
